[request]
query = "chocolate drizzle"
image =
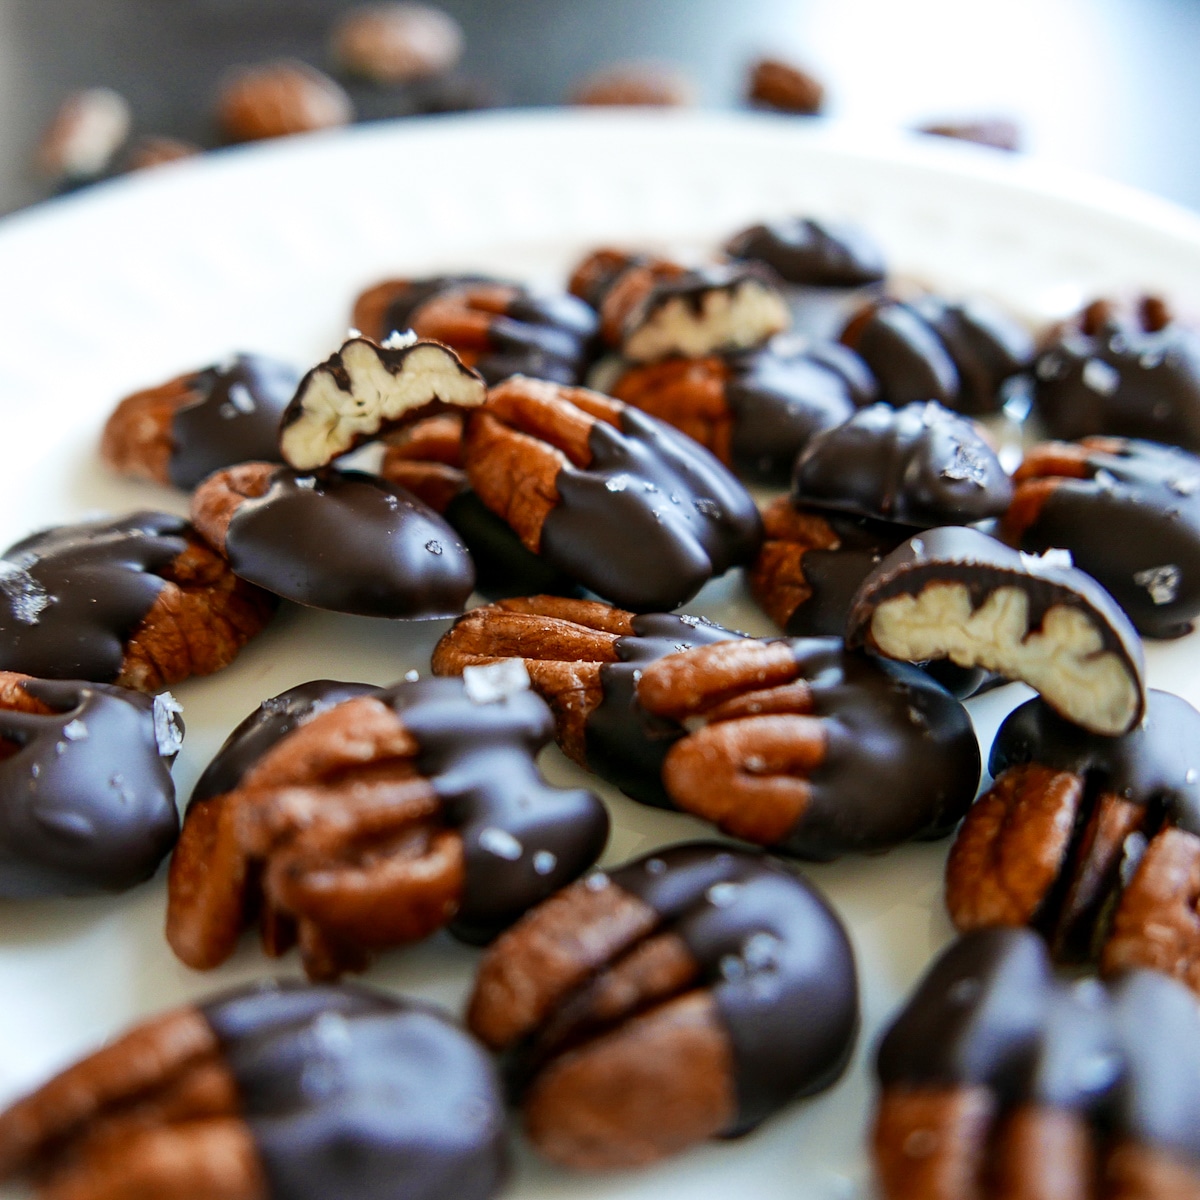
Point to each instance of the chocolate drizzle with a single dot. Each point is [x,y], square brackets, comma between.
[920,465]
[234,417]
[651,520]
[522,838]
[72,596]
[352,1093]
[776,959]
[816,253]
[88,800]
[625,744]
[350,542]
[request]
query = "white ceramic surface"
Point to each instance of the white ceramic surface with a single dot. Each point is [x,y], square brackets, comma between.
[264,249]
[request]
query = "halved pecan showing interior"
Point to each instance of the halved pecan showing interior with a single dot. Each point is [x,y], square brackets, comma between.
[219,1102]
[376,821]
[686,995]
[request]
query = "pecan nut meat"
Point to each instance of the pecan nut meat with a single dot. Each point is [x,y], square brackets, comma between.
[366,390]
[85,780]
[1113,372]
[343,541]
[183,430]
[957,594]
[256,1095]
[1129,513]
[1094,841]
[687,995]
[356,822]
[624,504]
[140,601]
[1000,1080]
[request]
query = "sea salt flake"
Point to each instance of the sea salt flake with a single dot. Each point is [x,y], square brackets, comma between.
[241,399]
[168,729]
[412,676]
[1185,485]
[722,895]
[967,465]
[707,507]
[1101,377]
[544,861]
[75,731]
[1161,582]
[1055,559]
[433,546]
[496,681]
[618,483]
[305,481]
[399,341]
[24,595]
[501,843]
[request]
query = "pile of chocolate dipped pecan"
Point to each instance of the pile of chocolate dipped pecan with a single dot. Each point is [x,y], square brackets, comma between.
[581,460]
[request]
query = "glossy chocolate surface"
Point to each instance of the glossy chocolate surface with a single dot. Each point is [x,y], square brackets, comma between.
[920,465]
[272,721]
[1134,525]
[234,417]
[415,292]
[1123,381]
[360,1095]
[349,542]
[817,253]
[775,957]
[784,393]
[625,744]
[72,596]
[1156,764]
[651,520]
[88,800]
[523,839]
[991,1013]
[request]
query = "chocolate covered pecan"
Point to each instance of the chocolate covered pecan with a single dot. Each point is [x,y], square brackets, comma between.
[1128,512]
[652,308]
[276,99]
[140,601]
[338,540]
[183,430]
[1089,839]
[624,504]
[349,823]
[958,353]
[756,409]
[956,593]
[919,465]
[367,390]
[499,328]
[803,250]
[688,995]
[1130,374]
[270,1092]
[86,787]
[1000,1080]
[396,43]
[784,87]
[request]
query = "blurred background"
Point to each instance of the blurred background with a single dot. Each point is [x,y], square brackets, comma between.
[1105,85]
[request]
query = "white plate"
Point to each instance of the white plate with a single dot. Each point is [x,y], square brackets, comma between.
[264,250]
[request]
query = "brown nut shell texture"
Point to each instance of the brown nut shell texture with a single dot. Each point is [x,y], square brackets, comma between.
[1000,1080]
[1093,841]
[140,601]
[624,504]
[351,824]
[956,593]
[220,1101]
[687,995]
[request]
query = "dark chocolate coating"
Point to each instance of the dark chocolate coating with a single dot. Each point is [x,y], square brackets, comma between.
[503,565]
[350,542]
[982,564]
[694,286]
[1133,525]
[901,757]
[522,838]
[920,465]
[776,959]
[363,1096]
[818,253]
[416,292]
[651,520]
[88,800]
[785,392]
[1122,381]
[72,596]
[625,744]
[269,723]
[234,417]
[958,354]
[991,1013]
[1156,764]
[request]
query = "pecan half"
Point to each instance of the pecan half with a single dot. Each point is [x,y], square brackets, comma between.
[641,84]
[276,99]
[627,506]
[784,87]
[628,1023]
[336,832]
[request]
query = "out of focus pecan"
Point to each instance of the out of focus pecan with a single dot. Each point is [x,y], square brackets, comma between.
[784,86]
[279,98]
[641,84]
